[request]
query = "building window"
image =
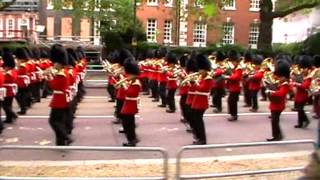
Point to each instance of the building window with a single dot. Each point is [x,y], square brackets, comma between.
[49,4]
[198,3]
[50,27]
[66,28]
[228,31]
[167,31]
[85,27]
[254,5]
[199,34]
[152,2]
[230,5]
[151,30]
[254,35]
[168,3]
[1,28]
[10,28]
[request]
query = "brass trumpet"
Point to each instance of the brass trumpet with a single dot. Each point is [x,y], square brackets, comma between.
[189,78]
[123,82]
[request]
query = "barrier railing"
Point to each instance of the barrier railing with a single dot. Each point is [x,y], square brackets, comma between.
[238,145]
[162,151]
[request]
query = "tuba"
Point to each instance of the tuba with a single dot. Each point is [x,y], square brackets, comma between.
[315,83]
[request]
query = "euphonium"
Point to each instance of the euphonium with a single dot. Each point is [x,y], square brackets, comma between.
[269,81]
[189,78]
[315,83]
[267,64]
[296,74]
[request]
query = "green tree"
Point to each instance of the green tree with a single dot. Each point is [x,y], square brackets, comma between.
[5,4]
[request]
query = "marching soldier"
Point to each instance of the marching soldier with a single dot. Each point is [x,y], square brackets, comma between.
[183,89]
[200,102]
[23,80]
[219,83]
[316,101]
[278,98]
[302,89]
[163,80]
[45,65]
[10,78]
[132,88]
[2,96]
[172,82]
[60,101]
[37,74]
[234,86]
[255,82]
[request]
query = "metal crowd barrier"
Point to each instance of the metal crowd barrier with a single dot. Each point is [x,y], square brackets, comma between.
[162,151]
[179,176]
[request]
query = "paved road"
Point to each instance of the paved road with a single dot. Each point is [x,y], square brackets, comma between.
[93,127]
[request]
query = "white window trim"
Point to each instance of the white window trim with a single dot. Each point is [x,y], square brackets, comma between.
[7,28]
[253,46]
[170,4]
[155,31]
[233,34]
[230,8]
[49,4]
[254,9]
[200,44]
[153,3]
[20,23]
[198,6]
[170,31]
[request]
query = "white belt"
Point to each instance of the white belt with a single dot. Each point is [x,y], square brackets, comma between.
[202,93]
[58,92]
[172,79]
[26,79]
[192,93]
[13,86]
[132,98]
[3,93]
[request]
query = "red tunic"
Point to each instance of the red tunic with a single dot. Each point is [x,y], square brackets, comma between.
[301,95]
[234,81]
[10,80]
[278,98]
[23,78]
[183,90]
[200,100]
[218,81]
[60,87]
[130,105]
[255,81]
[172,80]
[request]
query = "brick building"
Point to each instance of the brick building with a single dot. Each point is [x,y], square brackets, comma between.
[62,25]
[18,22]
[165,23]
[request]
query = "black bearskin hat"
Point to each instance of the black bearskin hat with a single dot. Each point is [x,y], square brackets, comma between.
[257,59]
[44,53]
[220,56]
[171,58]
[22,54]
[72,57]
[248,56]
[191,65]
[8,59]
[183,60]
[58,54]
[36,53]
[131,66]
[282,69]
[233,55]
[305,61]
[203,62]
[123,55]
[80,52]
[316,61]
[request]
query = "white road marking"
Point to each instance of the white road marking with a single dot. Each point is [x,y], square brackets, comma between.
[251,114]
[77,117]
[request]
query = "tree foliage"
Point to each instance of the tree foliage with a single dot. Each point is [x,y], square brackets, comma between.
[5,4]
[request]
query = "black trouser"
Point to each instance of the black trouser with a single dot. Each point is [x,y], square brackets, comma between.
[119,104]
[81,90]
[302,117]
[263,93]
[275,124]
[145,85]
[7,107]
[70,115]
[188,117]
[35,91]
[254,99]
[217,98]
[233,99]
[57,121]
[197,121]
[128,123]
[247,95]
[22,98]
[45,89]
[183,105]
[163,92]
[111,91]
[170,99]
[154,89]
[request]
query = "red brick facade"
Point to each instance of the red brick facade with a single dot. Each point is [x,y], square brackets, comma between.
[242,16]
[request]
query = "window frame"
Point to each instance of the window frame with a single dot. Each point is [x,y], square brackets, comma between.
[156,3]
[154,34]
[200,30]
[224,39]
[230,8]
[167,39]
[10,34]
[256,35]
[255,8]
[170,4]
